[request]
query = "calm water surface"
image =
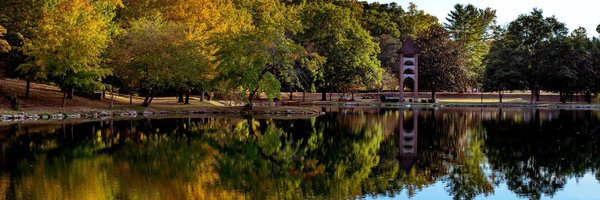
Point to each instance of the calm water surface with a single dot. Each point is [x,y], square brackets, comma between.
[347,153]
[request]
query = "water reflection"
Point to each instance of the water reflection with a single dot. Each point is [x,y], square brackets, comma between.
[347,153]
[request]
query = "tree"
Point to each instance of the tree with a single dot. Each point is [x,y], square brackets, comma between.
[502,69]
[249,60]
[380,23]
[20,17]
[582,61]
[306,73]
[350,51]
[598,28]
[202,21]
[441,62]
[526,35]
[469,26]
[414,22]
[389,53]
[69,42]
[556,56]
[4,46]
[150,54]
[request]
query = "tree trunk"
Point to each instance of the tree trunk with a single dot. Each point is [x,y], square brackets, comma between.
[561,97]
[251,98]
[27,89]
[179,96]
[151,98]
[537,95]
[103,95]
[433,95]
[291,95]
[187,96]
[146,102]
[130,98]
[201,95]
[64,100]
[352,96]
[303,96]
[500,96]
[588,97]
[249,105]
[571,96]
[323,96]
[70,93]
[531,99]
[330,96]
[112,98]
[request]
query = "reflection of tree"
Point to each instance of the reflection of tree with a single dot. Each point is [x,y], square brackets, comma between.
[329,165]
[336,156]
[450,149]
[467,178]
[538,157]
[150,161]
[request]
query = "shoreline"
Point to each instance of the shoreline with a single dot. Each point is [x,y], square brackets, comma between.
[569,106]
[48,114]
[301,110]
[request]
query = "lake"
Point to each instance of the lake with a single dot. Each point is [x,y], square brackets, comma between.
[347,153]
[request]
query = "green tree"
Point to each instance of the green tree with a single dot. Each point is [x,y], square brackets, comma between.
[469,26]
[380,23]
[389,53]
[69,42]
[526,35]
[250,60]
[583,64]
[441,62]
[414,22]
[502,69]
[556,55]
[350,51]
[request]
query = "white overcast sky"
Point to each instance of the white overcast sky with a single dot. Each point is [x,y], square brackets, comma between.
[574,13]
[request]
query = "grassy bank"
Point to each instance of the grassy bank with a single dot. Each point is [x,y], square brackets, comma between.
[45,100]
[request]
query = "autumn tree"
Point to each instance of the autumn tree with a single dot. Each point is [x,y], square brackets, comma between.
[4,46]
[470,27]
[441,62]
[20,17]
[69,41]
[202,21]
[154,55]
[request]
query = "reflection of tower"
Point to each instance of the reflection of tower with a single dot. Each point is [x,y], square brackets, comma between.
[409,69]
[408,137]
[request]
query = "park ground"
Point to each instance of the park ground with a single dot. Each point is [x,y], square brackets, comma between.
[47,98]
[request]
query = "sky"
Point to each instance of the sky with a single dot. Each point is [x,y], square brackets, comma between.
[574,13]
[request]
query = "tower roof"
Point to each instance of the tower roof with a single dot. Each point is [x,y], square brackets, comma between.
[409,47]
